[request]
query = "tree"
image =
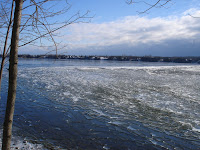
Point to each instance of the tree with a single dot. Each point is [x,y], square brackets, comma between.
[7,128]
[35,25]
[5,44]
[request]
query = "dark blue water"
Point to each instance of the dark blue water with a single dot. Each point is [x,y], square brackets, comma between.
[79,104]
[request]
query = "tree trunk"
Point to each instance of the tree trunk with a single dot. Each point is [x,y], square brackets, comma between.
[7,128]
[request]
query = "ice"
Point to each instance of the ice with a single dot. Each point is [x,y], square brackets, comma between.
[106,147]
[99,112]
[165,98]
[26,146]
[131,128]
[196,129]
[117,123]
[18,143]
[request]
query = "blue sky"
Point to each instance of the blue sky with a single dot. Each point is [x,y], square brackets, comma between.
[118,29]
[110,10]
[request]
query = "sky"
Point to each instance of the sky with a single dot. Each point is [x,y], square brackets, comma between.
[117,28]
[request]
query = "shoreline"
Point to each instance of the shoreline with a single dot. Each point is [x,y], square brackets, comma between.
[188,59]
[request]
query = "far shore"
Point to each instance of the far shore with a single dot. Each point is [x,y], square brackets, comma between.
[188,59]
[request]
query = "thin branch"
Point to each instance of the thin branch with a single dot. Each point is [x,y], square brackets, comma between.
[193,16]
[54,30]
[159,3]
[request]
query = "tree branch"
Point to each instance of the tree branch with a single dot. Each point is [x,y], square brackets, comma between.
[158,3]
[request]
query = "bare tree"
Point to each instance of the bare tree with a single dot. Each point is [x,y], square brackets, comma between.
[31,23]
[7,130]
[5,44]
[37,26]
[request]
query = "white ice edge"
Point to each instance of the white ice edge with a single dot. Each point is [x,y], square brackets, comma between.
[22,144]
[184,67]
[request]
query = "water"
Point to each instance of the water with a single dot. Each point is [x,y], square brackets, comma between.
[74,104]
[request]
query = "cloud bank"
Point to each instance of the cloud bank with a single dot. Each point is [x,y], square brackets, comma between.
[135,35]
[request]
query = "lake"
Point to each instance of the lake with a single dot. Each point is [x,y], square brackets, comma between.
[108,105]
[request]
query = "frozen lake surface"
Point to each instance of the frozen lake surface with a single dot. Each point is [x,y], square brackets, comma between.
[74,104]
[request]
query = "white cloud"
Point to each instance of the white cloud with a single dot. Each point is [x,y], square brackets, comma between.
[191,11]
[133,32]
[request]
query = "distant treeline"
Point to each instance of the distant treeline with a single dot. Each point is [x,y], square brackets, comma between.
[119,58]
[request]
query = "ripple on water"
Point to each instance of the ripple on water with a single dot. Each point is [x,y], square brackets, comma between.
[157,105]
